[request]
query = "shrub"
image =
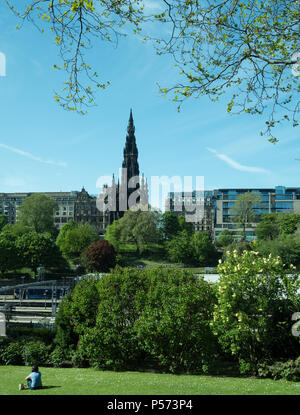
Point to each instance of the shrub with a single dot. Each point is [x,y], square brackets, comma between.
[153,315]
[84,305]
[111,342]
[76,313]
[12,353]
[196,249]
[100,256]
[225,238]
[57,358]
[286,247]
[179,249]
[173,324]
[65,337]
[289,370]
[36,353]
[239,247]
[44,334]
[79,358]
[251,291]
[4,341]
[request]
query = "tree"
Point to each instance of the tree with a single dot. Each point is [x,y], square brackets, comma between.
[273,225]
[287,247]
[37,211]
[239,247]
[268,227]
[253,291]
[63,230]
[17,229]
[196,249]
[204,252]
[225,238]
[288,223]
[139,227]
[75,24]
[113,233]
[249,46]
[185,226]
[10,258]
[100,256]
[3,221]
[75,239]
[243,210]
[38,250]
[170,225]
[179,249]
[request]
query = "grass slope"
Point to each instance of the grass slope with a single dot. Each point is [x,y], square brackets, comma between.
[92,382]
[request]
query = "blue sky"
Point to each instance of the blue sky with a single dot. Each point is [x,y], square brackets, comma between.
[44,148]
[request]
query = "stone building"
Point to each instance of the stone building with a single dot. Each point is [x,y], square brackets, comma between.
[197,206]
[81,207]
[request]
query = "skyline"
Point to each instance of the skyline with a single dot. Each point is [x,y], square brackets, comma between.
[45,148]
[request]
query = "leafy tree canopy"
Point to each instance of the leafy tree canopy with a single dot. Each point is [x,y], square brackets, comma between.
[37,212]
[139,227]
[268,227]
[10,258]
[273,225]
[38,250]
[185,226]
[243,213]
[287,247]
[225,238]
[247,46]
[3,221]
[113,233]
[170,225]
[196,249]
[75,239]
[100,256]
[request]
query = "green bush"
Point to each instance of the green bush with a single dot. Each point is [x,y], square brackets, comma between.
[289,370]
[173,324]
[196,249]
[239,247]
[151,316]
[36,353]
[44,334]
[79,359]
[12,353]
[57,358]
[254,294]
[4,341]
[111,342]
[65,337]
[287,247]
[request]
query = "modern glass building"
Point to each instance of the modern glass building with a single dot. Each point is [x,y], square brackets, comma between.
[277,200]
[217,206]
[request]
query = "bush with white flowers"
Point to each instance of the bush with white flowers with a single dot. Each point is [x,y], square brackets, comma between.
[256,299]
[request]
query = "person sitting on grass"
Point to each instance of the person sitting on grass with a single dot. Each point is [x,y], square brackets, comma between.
[34,380]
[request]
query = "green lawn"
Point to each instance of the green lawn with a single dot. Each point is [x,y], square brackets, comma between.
[92,382]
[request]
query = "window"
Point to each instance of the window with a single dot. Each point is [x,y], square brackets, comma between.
[284,197]
[284,205]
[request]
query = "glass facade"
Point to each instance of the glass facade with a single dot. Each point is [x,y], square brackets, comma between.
[280,199]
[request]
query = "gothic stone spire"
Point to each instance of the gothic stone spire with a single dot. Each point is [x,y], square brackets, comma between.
[130,151]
